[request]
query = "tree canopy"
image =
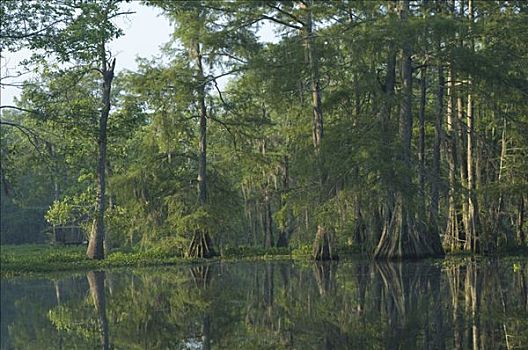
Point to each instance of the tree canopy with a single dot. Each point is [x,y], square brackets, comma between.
[397,129]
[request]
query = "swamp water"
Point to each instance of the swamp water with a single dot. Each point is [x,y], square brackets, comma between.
[459,304]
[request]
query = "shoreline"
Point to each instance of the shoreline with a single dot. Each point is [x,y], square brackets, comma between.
[31,260]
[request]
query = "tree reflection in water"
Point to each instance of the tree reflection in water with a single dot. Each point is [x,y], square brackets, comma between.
[96,280]
[274,305]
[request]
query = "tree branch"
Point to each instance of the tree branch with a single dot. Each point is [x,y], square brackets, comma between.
[31,135]
[273,19]
[296,19]
[24,110]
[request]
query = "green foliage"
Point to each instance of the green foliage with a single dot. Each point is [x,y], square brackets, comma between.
[263,170]
[254,252]
[72,209]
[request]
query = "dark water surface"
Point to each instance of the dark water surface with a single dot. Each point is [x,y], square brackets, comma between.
[273,305]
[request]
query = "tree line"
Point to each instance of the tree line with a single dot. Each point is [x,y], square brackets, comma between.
[394,128]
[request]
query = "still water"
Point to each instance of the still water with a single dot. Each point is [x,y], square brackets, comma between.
[273,305]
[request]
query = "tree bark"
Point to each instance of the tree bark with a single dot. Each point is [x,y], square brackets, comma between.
[421,134]
[201,243]
[435,198]
[284,235]
[268,220]
[472,242]
[400,239]
[202,165]
[323,247]
[312,60]
[453,235]
[462,156]
[97,236]
[520,221]
[322,243]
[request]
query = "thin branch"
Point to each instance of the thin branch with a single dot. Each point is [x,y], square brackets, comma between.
[233,57]
[121,13]
[23,110]
[27,35]
[238,70]
[219,121]
[296,19]
[97,70]
[273,19]
[31,135]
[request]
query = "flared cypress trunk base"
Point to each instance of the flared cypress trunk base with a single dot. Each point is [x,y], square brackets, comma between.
[201,246]
[403,239]
[282,241]
[323,246]
[96,242]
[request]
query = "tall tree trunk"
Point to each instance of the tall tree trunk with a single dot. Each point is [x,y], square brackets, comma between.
[435,198]
[202,165]
[285,233]
[421,115]
[400,239]
[322,237]
[312,60]
[499,217]
[520,221]
[201,244]
[453,232]
[268,220]
[472,241]
[97,236]
[421,135]
[462,156]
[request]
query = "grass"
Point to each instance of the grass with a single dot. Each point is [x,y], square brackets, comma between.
[18,260]
[33,259]
[30,259]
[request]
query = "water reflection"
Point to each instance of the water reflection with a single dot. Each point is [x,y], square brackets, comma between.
[273,305]
[96,281]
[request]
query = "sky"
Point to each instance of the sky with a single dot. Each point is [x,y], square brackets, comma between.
[145,32]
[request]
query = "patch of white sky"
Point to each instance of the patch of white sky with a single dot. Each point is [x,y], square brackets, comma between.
[145,33]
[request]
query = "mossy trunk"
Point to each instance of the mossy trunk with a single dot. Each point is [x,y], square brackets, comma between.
[323,247]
